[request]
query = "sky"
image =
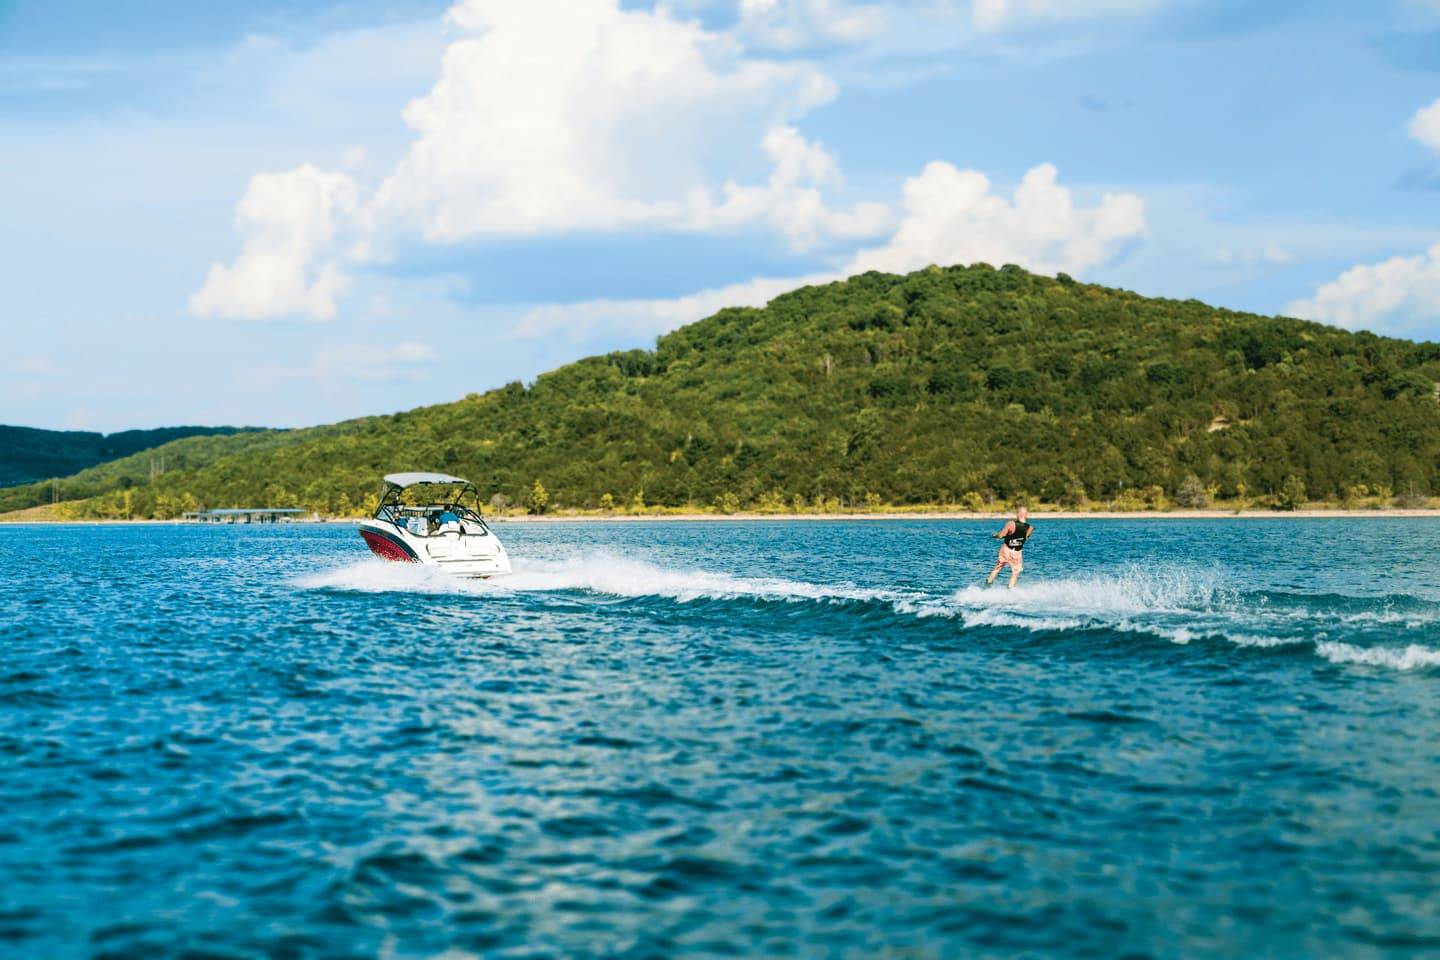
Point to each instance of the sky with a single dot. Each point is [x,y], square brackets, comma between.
[286,213]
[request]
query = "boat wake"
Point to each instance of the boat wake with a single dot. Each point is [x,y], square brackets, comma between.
[1178,605]
[602,574]
[380,576]
[623,577]
[1184,605]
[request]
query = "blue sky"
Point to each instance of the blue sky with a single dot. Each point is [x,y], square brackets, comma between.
[290,213]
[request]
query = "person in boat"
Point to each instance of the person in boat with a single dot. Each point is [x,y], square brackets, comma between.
[449,520]
[1014,534]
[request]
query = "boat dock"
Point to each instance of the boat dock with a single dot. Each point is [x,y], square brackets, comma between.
[246,515]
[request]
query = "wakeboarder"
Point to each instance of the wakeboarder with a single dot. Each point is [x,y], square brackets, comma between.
[1014,535]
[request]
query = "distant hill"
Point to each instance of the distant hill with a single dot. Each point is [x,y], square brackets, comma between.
[947,385]
[28,454]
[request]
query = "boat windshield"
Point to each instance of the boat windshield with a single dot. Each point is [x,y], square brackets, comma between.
[428,509]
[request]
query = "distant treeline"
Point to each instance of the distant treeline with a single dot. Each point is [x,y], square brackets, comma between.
[966,385]
[28,454]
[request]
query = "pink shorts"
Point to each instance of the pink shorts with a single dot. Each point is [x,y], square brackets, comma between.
[1011,558]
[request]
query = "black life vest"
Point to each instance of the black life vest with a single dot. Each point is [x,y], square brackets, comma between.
[1016,540]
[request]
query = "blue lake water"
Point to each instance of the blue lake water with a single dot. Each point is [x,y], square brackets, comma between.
[816,739]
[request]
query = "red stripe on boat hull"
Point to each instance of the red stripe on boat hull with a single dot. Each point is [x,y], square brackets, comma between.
[388,548]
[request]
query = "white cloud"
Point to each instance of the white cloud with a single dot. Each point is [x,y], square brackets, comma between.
[644,317]
[1399,296]
[553,116]
[792,202]
[290,222]
[579,115]
[335,362]
[952,217]
[1425,126]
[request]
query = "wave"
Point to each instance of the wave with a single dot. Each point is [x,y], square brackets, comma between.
[599,573]
[1177,605]
[1135,597]
[1412,657]
[383,576]
[1133,590]
[624,577]
[1185,606]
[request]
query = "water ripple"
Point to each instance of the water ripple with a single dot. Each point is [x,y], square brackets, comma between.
[686,739]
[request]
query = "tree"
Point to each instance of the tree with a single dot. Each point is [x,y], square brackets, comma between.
[1412,499]
[1291,495]
[538,499]
[1192,494]
[772,501]
[1073,496]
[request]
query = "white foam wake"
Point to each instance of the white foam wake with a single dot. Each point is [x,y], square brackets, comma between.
[1177,605]
[1181,606]
[1134,590]
[1137,599]
[384,576]
[600,573]
[623,577]
[1412,657]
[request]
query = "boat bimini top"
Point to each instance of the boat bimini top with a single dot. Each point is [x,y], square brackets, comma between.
[403,480]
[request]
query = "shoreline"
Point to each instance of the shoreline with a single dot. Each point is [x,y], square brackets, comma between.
[994,515]
[882,515]
[1001,516]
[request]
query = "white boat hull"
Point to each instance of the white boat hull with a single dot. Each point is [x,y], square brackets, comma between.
[458,554]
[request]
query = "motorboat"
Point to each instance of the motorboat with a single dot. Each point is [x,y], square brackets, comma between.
[434,519]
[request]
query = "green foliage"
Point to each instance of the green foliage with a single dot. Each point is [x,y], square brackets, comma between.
[1412,499]
[1192,493]
[28,454]
[966,383]
[538,499]
[1291,495]
[1074,494]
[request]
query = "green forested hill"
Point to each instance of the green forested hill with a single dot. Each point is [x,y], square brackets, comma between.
[947,385]
[28,454]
